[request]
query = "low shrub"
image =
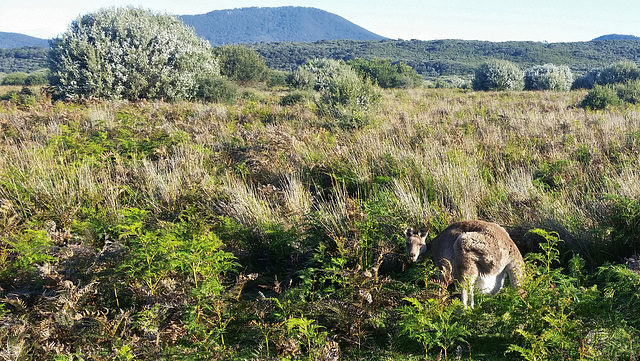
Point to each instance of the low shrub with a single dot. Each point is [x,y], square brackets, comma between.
[344,96]
[39,77]
[601,97]
[302,79]
[451,82]
[295,97]
[24,97]
[629,92]
[217,89]
[277,78]
[17,78]
[586,81]
[241,64]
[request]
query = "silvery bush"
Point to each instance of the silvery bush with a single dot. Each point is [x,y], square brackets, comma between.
[548,77]
[497,74]
[129,53]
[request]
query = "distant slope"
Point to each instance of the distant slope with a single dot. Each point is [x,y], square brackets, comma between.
[454,57]
[616,37]
[290,23]
[26,59]
[15,40]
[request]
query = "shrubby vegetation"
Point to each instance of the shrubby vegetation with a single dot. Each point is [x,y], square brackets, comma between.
[17,78]
[615,85]
[498,75]
[620,72]
[344,96]
[385,74]
[431,59]
[25,59]
[603,96]
[241,64]
[587,80]
[38,77]
[548,77]
[214,88]
[436,58]
[129,53]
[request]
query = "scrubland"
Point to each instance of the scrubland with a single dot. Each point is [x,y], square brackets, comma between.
[254,230]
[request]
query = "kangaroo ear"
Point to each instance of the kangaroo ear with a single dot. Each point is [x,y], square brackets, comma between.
[423,233]
[408,232]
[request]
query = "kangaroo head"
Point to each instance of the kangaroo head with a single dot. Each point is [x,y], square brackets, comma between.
[416,243]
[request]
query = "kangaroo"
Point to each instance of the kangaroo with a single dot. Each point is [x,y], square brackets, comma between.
[477,254]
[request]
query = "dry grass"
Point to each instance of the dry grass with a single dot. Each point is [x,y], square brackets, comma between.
[36,179]
[448,153]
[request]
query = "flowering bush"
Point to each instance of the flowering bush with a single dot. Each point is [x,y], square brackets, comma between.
[548,77]
[129,53]
[498,74]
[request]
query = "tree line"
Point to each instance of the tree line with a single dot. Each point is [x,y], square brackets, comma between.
[454,57]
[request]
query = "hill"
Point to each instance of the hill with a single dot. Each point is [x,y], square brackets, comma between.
[616,37]
[290,23]
[15,40]
[25,59]
[454,57]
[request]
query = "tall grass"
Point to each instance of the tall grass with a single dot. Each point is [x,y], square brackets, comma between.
[39,182]
[518,158]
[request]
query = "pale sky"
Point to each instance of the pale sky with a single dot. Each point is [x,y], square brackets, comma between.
[493,20]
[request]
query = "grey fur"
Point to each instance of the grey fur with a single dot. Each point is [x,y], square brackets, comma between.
[475,253]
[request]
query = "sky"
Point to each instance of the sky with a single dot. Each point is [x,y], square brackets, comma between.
[492,20]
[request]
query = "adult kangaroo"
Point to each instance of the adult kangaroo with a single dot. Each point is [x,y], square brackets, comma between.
[477,254]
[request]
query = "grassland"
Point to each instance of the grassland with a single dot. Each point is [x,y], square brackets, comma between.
[258,231]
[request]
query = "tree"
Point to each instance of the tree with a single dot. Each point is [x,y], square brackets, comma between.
[498,74]
[129,53]
[386,74]
[620,72]
[548,77]
[241,64]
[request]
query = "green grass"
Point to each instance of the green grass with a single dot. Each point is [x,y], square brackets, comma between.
[261,230]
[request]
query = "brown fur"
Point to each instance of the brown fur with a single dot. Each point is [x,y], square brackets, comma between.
[480,255]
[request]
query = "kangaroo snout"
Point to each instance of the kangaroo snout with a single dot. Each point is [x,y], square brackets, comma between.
[416,243]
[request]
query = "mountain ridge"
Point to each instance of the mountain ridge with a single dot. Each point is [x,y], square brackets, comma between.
[274,24]
[16,40]
[616,37]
